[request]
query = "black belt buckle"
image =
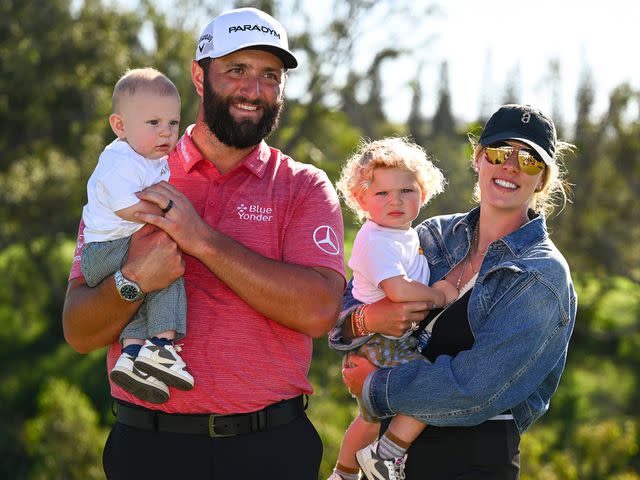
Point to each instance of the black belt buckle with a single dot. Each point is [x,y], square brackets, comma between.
[212,427]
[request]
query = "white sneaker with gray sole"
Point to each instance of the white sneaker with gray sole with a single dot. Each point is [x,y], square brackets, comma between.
[164,363]
[376,468]
[137,383]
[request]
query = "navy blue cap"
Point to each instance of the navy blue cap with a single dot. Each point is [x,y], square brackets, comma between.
[524,123]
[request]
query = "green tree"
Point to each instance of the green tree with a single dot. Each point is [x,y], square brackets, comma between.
[512,84]
[58,66]
[368,114]
[443,123]
[65,439]
[57,69]
[416,122]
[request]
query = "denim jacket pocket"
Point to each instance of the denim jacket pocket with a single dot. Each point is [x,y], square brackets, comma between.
[504,283]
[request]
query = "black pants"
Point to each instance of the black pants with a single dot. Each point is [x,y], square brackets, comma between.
[489,451]
[291,451]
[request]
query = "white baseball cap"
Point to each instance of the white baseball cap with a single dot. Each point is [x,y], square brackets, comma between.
[245,28]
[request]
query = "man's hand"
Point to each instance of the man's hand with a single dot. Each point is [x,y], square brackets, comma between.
[182,223]
[94,317]
[305,299]
[154,260]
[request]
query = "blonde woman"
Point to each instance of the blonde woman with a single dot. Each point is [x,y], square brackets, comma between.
[496,353]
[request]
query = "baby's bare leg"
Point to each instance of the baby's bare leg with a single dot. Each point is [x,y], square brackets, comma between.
[405,428]
[395,442]
[359,434]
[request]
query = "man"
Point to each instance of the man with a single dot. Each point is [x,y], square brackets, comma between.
[262,239]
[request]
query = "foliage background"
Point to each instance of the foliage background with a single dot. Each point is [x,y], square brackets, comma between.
[58,62]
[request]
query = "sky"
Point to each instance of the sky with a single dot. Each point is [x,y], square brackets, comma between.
[485,42]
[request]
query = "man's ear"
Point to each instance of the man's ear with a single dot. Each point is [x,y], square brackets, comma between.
[117,125]
[197,77]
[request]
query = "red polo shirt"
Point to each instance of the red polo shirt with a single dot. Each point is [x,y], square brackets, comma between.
[282,209]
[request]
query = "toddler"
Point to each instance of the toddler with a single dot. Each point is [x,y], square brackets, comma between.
[387,182]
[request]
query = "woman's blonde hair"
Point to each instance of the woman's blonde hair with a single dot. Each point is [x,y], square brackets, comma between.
[391,152]
[556,190]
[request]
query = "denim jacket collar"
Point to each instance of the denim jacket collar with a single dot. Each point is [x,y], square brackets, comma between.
[518,242]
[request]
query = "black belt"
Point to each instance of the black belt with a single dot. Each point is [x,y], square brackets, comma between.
[214,425]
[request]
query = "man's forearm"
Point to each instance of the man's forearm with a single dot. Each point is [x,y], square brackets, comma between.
[94,317]
[301,298]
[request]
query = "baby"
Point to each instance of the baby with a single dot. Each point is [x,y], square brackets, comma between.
[145,118]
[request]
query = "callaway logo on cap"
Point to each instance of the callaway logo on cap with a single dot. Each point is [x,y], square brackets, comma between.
[245,28]
[524,123]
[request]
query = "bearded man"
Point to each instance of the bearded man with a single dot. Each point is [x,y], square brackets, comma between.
[259,239]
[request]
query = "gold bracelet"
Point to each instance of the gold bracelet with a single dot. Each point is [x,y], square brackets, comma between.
[359,322]
[353,323]
[363,326]
[356,322]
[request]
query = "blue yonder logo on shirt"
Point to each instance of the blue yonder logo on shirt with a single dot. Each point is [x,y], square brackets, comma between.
[254,213]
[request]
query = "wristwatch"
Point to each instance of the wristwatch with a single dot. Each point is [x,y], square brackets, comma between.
[128,290]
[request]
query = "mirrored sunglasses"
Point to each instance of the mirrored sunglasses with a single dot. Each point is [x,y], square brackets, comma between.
[528,163]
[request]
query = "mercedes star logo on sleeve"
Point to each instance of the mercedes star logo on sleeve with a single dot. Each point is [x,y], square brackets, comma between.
[326,240]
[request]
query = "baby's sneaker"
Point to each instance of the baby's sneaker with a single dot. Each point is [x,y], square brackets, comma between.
[137,383]
[161,360]
[375,467]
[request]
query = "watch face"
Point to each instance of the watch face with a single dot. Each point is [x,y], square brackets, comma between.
[129,292]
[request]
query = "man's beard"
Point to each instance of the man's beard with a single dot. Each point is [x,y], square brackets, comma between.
[227,129]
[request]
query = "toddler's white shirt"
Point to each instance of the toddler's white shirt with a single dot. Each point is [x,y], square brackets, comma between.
[379,253]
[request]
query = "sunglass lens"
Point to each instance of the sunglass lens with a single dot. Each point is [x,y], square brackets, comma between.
[529,164]
[497,156]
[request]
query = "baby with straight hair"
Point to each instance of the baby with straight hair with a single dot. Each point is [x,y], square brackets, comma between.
[146,118]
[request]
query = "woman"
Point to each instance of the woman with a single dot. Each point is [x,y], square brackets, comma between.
[497,353]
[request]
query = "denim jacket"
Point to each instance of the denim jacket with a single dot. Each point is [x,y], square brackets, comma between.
[521,313]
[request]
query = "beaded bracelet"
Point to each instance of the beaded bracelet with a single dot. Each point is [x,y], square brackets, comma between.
[357,318]
[359,329]
[353,324]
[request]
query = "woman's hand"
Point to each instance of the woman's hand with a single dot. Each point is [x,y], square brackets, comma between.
[391,318]
[355,370]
